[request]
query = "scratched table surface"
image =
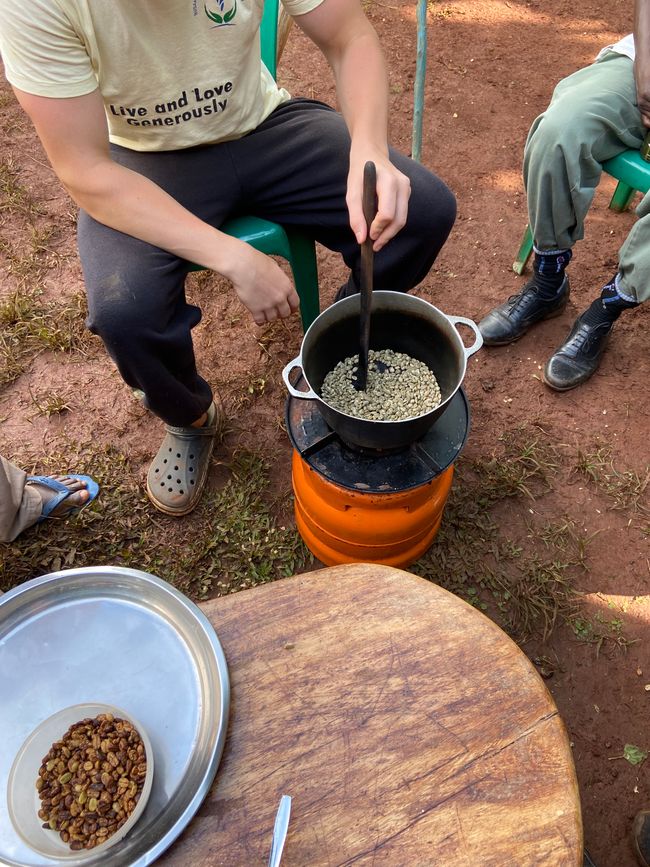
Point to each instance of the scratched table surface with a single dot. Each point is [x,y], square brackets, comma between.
[406,726]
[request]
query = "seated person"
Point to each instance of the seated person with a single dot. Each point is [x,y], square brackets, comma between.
[28,500]
[594,114]
[161,123]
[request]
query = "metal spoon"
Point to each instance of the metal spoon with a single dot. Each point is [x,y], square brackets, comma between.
[280,830]
[367,256]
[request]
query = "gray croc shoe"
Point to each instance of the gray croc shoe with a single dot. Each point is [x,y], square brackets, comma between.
[179,470]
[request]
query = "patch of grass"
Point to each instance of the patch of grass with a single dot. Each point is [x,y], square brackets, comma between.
[602,632]
[18,308]
[524,467]
[474,555]
[34,256]
[628,490]
[469,544]
[557,534]
[29,326]
[12,360]
[530,590]
[49,404]
[592,464]
[16,312]
[538,595]
[14,196]
[562,536]
[230,542]
[524,572]
[62,325]
[246,545]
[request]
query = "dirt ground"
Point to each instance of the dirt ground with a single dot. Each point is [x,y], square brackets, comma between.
[491,68]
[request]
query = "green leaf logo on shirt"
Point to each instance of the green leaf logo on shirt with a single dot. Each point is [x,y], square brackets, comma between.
[221,18]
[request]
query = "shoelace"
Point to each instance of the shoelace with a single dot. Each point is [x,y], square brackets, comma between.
[518,299]
[582,335]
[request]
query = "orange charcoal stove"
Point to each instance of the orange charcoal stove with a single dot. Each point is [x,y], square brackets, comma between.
[356,504]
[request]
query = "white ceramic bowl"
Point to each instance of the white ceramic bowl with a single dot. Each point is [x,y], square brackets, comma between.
[24,803]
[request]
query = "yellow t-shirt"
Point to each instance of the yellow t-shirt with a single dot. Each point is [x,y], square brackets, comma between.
[172,73]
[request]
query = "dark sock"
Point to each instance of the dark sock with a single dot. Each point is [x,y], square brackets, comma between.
[548,270]
[609,306]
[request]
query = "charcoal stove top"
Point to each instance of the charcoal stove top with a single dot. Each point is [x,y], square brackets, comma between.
[377,471]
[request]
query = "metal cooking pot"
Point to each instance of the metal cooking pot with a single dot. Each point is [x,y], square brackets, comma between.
[401,322]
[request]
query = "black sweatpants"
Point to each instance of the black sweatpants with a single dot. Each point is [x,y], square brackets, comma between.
[293,170]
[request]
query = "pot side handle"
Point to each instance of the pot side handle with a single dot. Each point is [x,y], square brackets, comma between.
[478,342]
[303,395]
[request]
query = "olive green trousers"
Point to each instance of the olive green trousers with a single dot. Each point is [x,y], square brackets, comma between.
[20,506]
[592,116]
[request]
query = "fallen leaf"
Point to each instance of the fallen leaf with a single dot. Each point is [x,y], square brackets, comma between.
[634,755]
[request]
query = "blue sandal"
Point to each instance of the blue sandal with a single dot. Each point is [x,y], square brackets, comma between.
[62,493]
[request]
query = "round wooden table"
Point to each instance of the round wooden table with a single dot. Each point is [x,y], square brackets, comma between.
[407,727]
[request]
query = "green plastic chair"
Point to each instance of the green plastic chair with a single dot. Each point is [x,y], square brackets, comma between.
[291,244]
[632,173]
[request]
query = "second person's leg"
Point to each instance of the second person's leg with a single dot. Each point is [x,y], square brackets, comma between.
[592,117]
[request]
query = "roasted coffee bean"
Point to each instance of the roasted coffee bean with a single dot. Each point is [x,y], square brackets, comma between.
[91,780]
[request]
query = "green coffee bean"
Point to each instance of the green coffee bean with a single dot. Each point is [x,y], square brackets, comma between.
[397,387]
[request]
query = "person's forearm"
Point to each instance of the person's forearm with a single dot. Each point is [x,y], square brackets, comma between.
[130,203]
[347,39]
[362,90]
[74,134]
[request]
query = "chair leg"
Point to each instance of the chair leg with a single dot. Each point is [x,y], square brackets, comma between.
[305,274]
[623,195]
[524,254]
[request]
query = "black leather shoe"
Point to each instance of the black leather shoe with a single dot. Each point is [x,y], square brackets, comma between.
[641,837]
[579,356]
[511,320]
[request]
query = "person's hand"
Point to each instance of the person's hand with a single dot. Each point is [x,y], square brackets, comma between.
[262,286]
[393,192]
[642,81]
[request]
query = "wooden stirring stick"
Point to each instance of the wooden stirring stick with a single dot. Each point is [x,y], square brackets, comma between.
[367,261]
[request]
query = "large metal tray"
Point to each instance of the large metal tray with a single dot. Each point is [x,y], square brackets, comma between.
[126,638]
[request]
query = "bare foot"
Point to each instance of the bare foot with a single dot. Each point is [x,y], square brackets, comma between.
[77,498]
